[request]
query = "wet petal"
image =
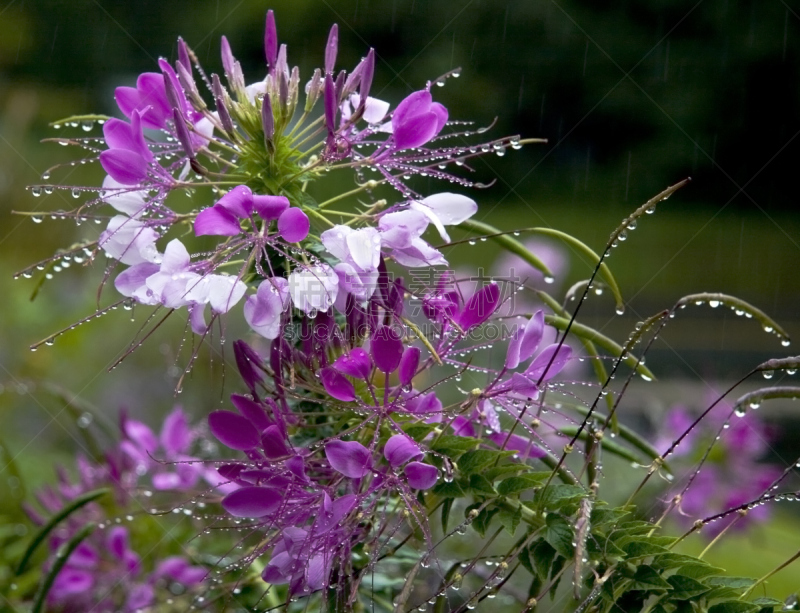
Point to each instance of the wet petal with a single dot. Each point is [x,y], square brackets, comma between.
[216,221]
[534,330]
[421,476]
[356,363]
[293,225]
[387,348]
[408,365]
[350,458]
[252,501]
[480,307]
[541,368]
[233,430]
[337,385]
[270,207]
[400,449]
[175,434]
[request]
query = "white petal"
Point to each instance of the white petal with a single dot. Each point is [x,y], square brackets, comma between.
[451,209]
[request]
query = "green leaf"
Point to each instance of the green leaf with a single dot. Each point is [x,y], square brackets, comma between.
[485,517]
[543,555]
[495,472]
[473,462]
[766,601]
[447,506]
[63,554]
[10,464]
[647,578]
[68,510]
[453,446]
[521,483]
[605,515]
[555,496]
[419,431]
[642,549]
[481,485]
[734,582]
[734,606]
[699,570]
[684,588]
[449,490]
[510,519]
[560,535]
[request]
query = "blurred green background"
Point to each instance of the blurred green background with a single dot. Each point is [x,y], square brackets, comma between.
[632,96]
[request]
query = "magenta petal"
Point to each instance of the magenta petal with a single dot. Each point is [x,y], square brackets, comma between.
[534,330]
[233,430]
[70,581]
[462,426]
[421,476]
[274,444]
[441,116]
[416,131]
[216,221]
[400,449]
[539,367]
[350,458]
[480,307]
[238,201]
[387,348]
[408,365]
[271,41]
[117,541]
[512,354]
[175,434]
[337,385]
[270,207]
[356,363]
[252,501]
[252,411]
[126,167]
[127,99]
[414,104]
[293,225]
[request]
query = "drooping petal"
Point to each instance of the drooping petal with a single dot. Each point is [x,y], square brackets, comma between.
[414,104]
[480,307]
[415,131]
[541,367]
[122,198]
[270,208]
[451,209]
[175,435]
[364,247]
[274,444]
[314,288]
[233,430]
[337,385]
[356,363]
[350,458]
[127,167]
[387,348]
[252,411]
[400,449]
[216,221]
[419,253]
[252,501]
[421,476]
[398,230]
[238,201]
[293,225]
[512,354]
[263,311]
[408,365]
[534,330]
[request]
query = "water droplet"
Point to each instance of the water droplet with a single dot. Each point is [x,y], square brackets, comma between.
[36,219]
[767,374]
[620,310]
[76,193]
[548,279]
[714,303]
[36,191]
[786,342]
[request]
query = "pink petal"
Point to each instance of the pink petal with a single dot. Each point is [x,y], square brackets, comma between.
[534,330]
[175,434]
[233,430]
[270,207]
[127,167]
[387,348]
[480,307]
[293,225]
[539,367]
[350,458]
[238,201]
[421,476]
[337,385]
[356,363]
[408,365]
[400,449]
[216,221]
[252,411]
[252,501]
[274,444]
[416,131]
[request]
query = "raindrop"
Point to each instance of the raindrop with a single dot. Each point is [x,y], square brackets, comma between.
[36,219]
[548,279]
[87,125]
[36,191]
[76,193]
[767,374]
[768,328]
[714,303]
[786,342]
[620,310]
